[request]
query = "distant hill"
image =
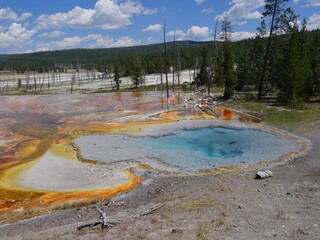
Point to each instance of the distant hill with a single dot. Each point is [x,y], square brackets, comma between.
[86,56]
[99,58]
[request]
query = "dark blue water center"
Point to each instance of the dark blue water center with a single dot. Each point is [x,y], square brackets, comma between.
[190,149]
[209,142]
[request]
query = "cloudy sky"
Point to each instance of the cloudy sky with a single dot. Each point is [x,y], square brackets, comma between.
[39,25]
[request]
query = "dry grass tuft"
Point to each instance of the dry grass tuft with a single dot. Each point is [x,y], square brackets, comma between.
[280,215]
[196,204]
[303,230]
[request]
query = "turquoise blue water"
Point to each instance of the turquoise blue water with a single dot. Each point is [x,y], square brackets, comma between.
[209,142]
[190,149]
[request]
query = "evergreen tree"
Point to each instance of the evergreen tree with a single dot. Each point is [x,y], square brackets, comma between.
[296,70]
[252,71]
[243,66]
[203,75]
[314,87]
[274,9]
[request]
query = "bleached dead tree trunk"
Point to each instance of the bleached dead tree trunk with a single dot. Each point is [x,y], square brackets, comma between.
[165,57]
[213,68]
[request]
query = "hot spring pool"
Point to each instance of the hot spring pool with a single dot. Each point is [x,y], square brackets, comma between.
[191,148]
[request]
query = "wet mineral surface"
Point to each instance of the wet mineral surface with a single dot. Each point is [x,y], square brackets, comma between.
[41,169]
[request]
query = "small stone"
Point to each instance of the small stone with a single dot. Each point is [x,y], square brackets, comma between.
[174,230]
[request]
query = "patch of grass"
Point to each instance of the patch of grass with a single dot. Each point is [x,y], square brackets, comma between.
[175,197]
[250,106]
[280,116]
[293,117]
[280,215]
[303,230]
[30,212]
[202,233]
[203,228]
[74,205]
[223,221]
[224,190]
[199,203]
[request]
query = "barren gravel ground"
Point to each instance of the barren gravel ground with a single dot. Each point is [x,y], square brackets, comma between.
[230,205]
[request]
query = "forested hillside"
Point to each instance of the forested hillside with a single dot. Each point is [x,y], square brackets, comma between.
[287,64]
[89,58]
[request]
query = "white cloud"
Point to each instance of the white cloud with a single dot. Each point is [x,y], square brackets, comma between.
[236,36]
[101,41]
[151,40]
[106,14]
[241,23]
[97,41]
[124,42]
[207,10]
[69,42]
[314,22]
[153,28]
[296,1]
[150,11]
[201,33]
[17,36]
[136,8]
[200,1]
[53,34]
[89,41]
[177,33]
[8,14]
[244,9]
[44,49]
[314,3]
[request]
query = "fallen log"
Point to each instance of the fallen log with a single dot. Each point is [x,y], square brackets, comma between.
[209,110]
[106,222]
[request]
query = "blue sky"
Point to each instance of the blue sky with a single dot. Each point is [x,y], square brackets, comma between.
[38,25]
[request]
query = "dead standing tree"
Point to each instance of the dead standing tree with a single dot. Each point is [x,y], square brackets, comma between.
[34,80]
[178,65]
[165,57]
[214,62]
[73,80]
[160,61]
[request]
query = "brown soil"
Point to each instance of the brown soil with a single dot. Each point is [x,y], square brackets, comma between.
[230,205]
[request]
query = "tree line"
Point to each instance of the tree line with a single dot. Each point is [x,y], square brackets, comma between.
[283,58]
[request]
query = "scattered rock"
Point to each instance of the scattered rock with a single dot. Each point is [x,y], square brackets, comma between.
[175,230]
[264,174]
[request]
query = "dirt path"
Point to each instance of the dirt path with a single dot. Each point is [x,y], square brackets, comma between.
[225,206]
